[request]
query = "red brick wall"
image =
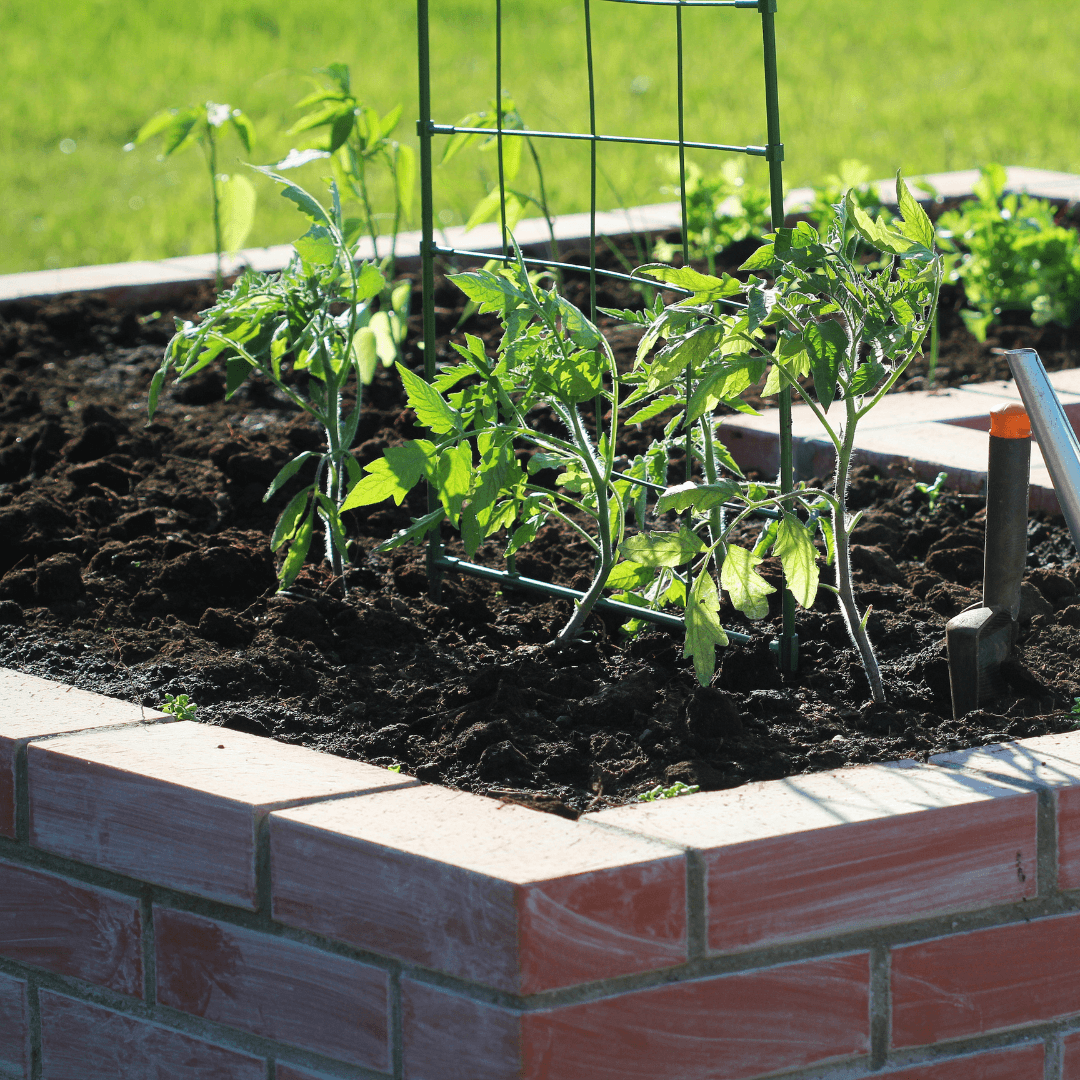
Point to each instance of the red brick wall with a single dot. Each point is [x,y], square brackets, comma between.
[187,903]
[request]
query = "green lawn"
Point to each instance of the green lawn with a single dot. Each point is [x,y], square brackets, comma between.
[920,85]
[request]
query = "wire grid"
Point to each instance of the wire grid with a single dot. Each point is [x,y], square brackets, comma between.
[773,153]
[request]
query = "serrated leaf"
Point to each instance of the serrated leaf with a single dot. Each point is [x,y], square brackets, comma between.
[826,344]
[795,547]
[419,528]
[316,247]
[426,402]
[703,630]
[288,471]
[654,408]
[493,292]
[629,575]
[867,376]
[393,475]
[702,287]
[762,259]
[662,548]
[304,202]
[876,233]
[237,369]
[915,225]
[745,587]
[701,497]
[290,518]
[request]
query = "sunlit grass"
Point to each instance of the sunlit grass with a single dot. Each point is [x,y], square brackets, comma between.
[920,85]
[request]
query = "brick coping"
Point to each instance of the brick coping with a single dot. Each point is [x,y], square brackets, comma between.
[164,277]
[836,897]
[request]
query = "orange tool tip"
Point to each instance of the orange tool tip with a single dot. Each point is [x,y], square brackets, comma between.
[1010,422]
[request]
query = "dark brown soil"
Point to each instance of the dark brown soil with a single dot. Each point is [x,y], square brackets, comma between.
[134,561]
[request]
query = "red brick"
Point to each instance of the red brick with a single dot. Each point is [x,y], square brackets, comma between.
[734,1026]
[34,707]
[1068,826]
[14,1029]
[490,892]
[986,980]
[272,987]
[85,1042]
[176,804]
[1016,1063]
[838,851]
[50,922]
[1070,1062]
[446,1037]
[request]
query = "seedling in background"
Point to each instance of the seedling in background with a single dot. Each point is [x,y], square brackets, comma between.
[1012,257]
[933,491]
[673,792]
[517,201]
[308,324]
[358,141]
[233,196]
[180,706]
[721,210]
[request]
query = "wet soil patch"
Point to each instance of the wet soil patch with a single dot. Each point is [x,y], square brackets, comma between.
[134,561]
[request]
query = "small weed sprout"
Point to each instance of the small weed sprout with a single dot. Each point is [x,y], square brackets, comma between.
[180,706]
[312,321]
[933,491]
[233,197]
[673,792]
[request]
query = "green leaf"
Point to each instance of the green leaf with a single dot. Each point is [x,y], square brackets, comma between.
[237,369]
[662,548]
[316,248]
[762,259]
[429,407]
[405,177]
[365,354]
[304,202]
[370,281]
[393,475]
[866,378]
[453,479]
[294,561]
[237,206]
[244,129]
[340,130]
[419,528]
[703,287]
[182,133]
[745,587]
[701,497]
[580,330]
[629,575]
[493,292]
[795,546]
[156,383]
[287,472]
[827,344]
[290,518]
[156,125]
[876,233]
[576,378]
[703,630]
[386,347]
[654,408]
[916,225]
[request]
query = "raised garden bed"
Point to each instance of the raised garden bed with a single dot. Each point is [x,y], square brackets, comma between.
[134,561]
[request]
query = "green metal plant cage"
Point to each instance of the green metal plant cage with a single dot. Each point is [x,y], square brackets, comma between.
[773,153]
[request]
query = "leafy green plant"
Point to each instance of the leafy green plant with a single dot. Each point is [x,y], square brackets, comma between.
[310,324]
[851,180]
[853,326]
[517,201]
[550,355]
[180,706]
[358,140]
[933,491]
[673,792]
[233,196]
[721,210]
[1012,257]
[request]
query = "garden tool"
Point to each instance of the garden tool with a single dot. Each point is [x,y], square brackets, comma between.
[981,637]
[1054,433]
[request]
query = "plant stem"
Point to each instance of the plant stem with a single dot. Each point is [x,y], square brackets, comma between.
[931,370]
[844,587]
[212,157]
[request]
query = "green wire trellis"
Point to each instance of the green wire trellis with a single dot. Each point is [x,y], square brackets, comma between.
[773,153]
